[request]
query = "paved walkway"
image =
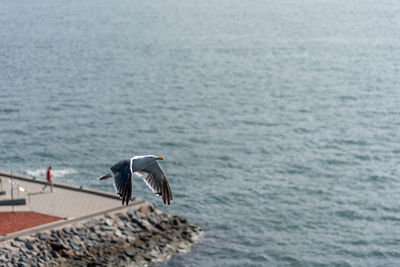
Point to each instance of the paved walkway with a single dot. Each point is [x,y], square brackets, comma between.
[67,201]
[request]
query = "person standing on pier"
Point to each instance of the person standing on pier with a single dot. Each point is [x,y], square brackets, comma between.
[49,182]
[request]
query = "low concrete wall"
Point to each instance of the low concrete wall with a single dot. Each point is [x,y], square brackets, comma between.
[60,185]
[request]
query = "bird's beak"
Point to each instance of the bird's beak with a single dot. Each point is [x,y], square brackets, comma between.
[160,158]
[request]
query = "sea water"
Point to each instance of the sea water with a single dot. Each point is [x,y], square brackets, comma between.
[278,120]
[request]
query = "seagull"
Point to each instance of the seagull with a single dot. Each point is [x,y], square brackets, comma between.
[144,166]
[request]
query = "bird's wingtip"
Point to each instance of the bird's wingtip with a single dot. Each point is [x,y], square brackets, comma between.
[104,176]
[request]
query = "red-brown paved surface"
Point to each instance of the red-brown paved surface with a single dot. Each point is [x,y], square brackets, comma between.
[15,221]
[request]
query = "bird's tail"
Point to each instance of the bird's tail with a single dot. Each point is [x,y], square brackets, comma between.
[105,176]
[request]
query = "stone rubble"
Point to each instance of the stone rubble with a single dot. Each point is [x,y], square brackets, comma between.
[130,238]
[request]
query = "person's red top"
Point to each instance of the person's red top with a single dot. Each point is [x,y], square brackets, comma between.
[48,175]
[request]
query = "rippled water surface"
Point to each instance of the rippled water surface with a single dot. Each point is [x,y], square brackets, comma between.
[279,120]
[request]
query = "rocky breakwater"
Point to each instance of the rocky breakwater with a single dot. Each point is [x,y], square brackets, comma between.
[127,238]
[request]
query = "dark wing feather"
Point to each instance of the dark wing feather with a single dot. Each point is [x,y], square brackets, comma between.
[156,180]
[120,166]
[123,180]
[127,191]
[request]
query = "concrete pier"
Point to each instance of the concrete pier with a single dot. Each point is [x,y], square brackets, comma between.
[72,203]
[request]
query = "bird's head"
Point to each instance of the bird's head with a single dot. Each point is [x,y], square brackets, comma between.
[149,159]
[153,158]
[141,162]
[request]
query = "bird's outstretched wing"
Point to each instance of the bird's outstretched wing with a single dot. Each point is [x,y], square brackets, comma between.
[123,180]
[155,178]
